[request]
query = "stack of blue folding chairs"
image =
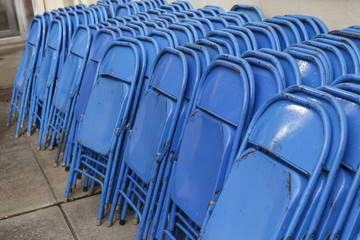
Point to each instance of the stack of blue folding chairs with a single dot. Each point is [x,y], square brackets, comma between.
[208,124]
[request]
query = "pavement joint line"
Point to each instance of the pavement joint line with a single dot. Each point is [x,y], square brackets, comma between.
[48,206]
[68,222]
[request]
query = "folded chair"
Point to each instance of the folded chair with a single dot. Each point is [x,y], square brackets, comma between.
[271,178]
[45,78]
[66,90]
[153,129]
[209,142]
[102,127]
[25,73]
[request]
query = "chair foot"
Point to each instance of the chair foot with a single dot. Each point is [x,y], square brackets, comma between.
[34,124]
[109,224]
[56,165]
[21,126]
[17,136]
[42,148]
[67,169]
[136,221]
[117,216]
[28,134]
[51,147]
[122,222]
[98,222]
[63,164]
[36,129]
[66,199]
[91,191]
[57,137]
[38,148]
[106,206]
[8,124]
[85,189]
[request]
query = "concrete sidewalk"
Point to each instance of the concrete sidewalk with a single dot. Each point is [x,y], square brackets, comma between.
[32,190]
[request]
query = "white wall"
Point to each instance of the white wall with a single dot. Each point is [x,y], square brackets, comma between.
[335,13]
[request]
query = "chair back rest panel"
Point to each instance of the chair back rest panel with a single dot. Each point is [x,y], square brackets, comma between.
[110,97]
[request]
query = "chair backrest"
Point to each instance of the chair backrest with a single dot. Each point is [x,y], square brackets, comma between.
[312,71]
[110,99]
[157,114]
[252,11]
[212,48]
[288,27]
[46,74]
[30,54]
[310,26]
[214,127]
[70,79]
[337,60]
[267,81]
[162,38]
[228,37]
[100,43]
[152,49]
[291,69]
[264,38]
[266,58]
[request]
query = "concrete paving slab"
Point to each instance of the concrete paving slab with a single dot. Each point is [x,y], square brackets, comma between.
[56,176]
[44,224]
[82,217]
[22,185]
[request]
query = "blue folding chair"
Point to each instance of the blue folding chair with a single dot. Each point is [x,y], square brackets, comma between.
[343,192]
[45,78]
[108,111]
[309,220]
[270,177]
[66,91]
[209,142]
[25,73]
[103,39]
[153,128]
[254,13]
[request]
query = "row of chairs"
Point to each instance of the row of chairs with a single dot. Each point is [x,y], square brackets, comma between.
[144,155]
[159,116]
